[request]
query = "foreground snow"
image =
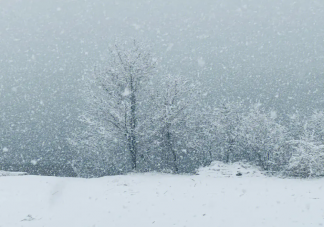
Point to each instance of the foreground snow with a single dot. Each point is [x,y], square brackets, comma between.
[216,197]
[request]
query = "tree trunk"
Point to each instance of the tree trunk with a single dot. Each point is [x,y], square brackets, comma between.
[170,148]
[133,142]
[229,150]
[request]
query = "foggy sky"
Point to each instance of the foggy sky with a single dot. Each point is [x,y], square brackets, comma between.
[271,51]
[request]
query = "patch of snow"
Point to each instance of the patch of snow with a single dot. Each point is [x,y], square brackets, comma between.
[219,170]
[6,173]
[126,92]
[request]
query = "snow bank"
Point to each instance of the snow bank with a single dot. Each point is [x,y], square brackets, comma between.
[238,169]
[5,173]
[162,200]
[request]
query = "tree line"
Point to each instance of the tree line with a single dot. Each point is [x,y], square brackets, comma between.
[139,119]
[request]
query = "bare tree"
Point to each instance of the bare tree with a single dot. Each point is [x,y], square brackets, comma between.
[174,122]
[115,97]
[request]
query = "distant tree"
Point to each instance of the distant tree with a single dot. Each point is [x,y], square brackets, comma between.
[115,98]
[316,125]
[295,124]
[207,138]
[227,127]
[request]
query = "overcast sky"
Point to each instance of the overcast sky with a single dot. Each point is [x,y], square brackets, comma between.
[270,50]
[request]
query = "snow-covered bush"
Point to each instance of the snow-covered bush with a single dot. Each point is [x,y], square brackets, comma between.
[307,159]
[263,139]
[250,134]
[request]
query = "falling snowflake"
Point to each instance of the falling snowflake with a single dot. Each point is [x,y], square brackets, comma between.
[201,62]
[126,92]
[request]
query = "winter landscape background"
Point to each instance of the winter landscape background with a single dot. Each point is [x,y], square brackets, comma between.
[161,113]
[241,52]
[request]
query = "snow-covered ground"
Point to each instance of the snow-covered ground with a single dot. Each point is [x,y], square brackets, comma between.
[215,197]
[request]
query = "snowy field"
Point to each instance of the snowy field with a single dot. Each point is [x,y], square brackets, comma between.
[215,197]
